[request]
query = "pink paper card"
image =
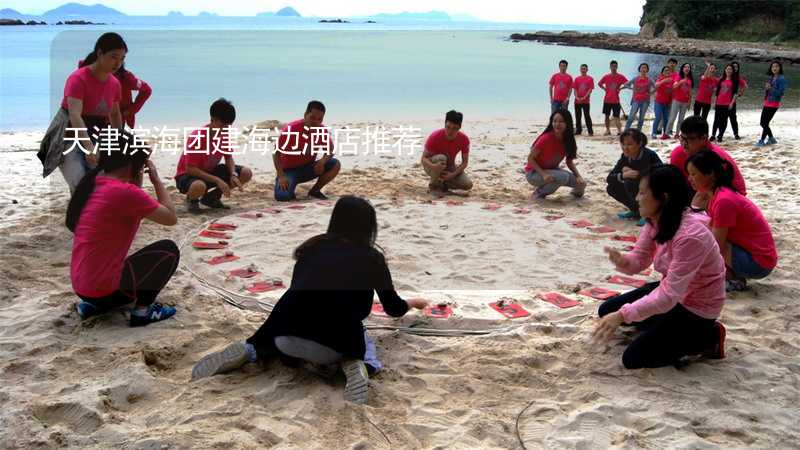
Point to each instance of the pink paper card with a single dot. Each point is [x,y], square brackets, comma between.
[627,281]
[271,211]
[210,245]
[553,217]
[583,223]
[509,308]
[599,293]
[558,299]
[219,226]
[602,229]
[263,286]
[492,206]
[245,272]
[454,203]
[222,259]
[251,215]
[438,311]
[296,206]
[215,234]
[618,237]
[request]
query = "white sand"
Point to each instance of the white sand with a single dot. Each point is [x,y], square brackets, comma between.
[99,384]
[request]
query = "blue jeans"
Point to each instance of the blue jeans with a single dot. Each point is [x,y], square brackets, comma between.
[298,175]
[555,106]
[662,117]
[641,108]
[744,266]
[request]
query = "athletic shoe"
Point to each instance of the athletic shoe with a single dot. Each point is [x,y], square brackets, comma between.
[85,310]
[356,389]
[230,358]
[734,285]
[712,138]
[653,137]
[214,203]
[736,136]
[719,139]
[626,215]
[193,206]
[318,195]
[641,222]
[717,351]
[155,313]
[772,141]
[761,143]
[664,137]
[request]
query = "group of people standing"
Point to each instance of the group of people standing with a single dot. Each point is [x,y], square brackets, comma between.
[318,320]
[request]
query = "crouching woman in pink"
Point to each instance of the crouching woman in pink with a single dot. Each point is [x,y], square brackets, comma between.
[677,316]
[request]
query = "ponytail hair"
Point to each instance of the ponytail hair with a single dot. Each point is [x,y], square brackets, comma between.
[107,42]
[668,185]
[109,161]
[708,163]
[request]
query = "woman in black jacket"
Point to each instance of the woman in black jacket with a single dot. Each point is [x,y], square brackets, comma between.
[634,163]
[319,317]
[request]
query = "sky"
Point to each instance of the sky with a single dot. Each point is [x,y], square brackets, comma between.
[619,13]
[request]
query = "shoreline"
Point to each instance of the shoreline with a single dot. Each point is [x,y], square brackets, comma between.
[748,51]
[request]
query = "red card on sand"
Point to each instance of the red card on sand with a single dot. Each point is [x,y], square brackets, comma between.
[222,259]
[296,206]
[602,229]
[628,248]
[215,234]
[454,203]
[243,273]
[219,226]
[558,299]
[583,223]
[377,309]
[509,308]
[553,217]
[209,245]
[627,281]
[522,211]
[323,203]
[271,210]
[492,206]
[263,286]
[618,237]
[599,293]
[438,311]
[251,215]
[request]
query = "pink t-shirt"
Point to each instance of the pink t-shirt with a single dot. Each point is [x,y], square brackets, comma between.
[641,89]
[664,91]
[297,148]
[683,92]
[679,156]
[98,97]
[551,152]
[725,94]
[675,76]
[562,83]
[104,234]
[438,144]
[612,82]
[129,84]
[582,85]
[706,89]
[747,227]
[692,267]
[205,148]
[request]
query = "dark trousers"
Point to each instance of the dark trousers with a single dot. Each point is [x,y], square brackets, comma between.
[766,117]
[721,113]
[664,338]
[734,121]
[144,275]
[702,109]
[582,109]
[625,192]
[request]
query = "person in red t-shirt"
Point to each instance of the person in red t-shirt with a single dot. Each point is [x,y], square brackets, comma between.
[672,63]
[556,143]
[727,91]
[663,102]
[583,86]
[560,87]
[128,106]
[439,157]
[612,83]
[705,91]
[681,97]
[732,110]
[199,174]
[642,87]
[296,157]
[742,232]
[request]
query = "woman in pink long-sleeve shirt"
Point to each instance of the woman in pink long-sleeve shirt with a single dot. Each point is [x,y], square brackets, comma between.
[677,315]
[127,105]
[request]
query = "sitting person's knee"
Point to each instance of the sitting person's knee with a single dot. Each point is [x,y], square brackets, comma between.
[246,175]
[197,188]
[631,360]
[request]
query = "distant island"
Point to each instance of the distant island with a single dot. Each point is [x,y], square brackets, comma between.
[71,10]
[283,12]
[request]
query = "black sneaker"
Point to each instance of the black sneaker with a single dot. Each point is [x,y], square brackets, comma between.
[193,206]
[214,203]
[318,195]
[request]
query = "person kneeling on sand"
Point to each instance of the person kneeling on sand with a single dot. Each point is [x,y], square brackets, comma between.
[439,157]
[556,143]
[678,315]
[318,319]
[104,214]
[634,163]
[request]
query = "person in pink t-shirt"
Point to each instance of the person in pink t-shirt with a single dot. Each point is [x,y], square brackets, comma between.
[734,120]
[556,143]
[104,214]
[663,102]
[583,86]
[560,87]
[612,83]
[727,91]
[677,316]
[199,174]
[127,105]
[705,91]
[642,87]
[681,97]
[672,63]
[439,158]
[742,232]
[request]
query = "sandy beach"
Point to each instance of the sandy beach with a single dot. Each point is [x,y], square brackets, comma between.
[538,379]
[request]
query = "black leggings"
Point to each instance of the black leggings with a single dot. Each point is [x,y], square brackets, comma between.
[734,121]
[664,338]
[701,109]
[766,117]
[721,113]
[144,275]
[584,108]
[625,192]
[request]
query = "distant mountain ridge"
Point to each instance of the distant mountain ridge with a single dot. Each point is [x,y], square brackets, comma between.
[283,12]
[77,9]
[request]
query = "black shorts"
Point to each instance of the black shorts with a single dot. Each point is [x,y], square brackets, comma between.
[184,182]
[611,108]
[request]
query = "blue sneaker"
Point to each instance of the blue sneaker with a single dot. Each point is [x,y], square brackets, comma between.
[85,310]
[155,313]
[626,215]
[734,285]
[772,141]
[641,222]
[760,143]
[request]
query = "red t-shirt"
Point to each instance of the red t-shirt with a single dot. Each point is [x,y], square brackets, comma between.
[678,158]
[612,83]
[582,84]
[551,152]
[675,76]
[664,91]
[205,148]
[104,234]
[562,83]
[641,89]
[129,84]
[725,93]
[683,93]
[438,144]
[296,148]
[706,89]
[98,97]
[747,227]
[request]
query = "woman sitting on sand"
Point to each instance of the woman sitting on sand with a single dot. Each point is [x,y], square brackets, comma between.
[318,319]
[104,215]
[556,143]
[634,164]
[742,232]
[677,316]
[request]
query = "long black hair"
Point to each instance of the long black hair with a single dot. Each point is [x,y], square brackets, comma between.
[353,221]
[637,136]
[708,162]
[568,140]
[107,42]
[668,186]
[690,76]
[734,79]
[780,68]
[109,161]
